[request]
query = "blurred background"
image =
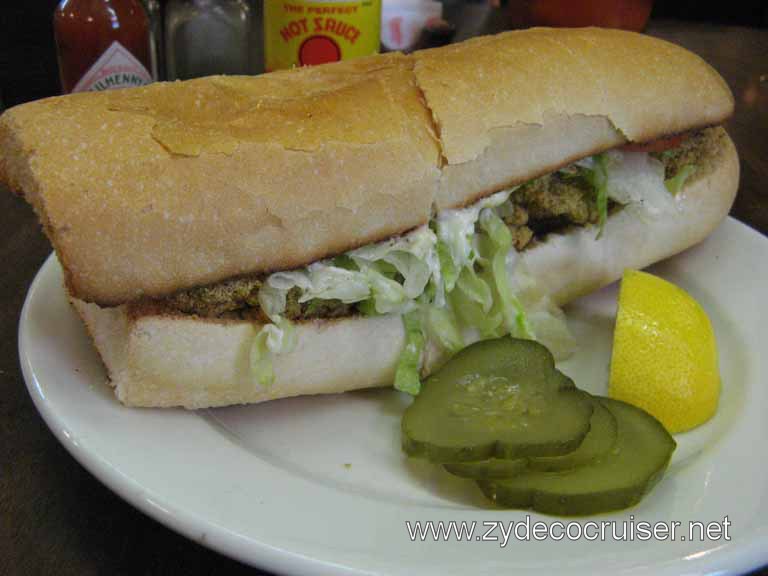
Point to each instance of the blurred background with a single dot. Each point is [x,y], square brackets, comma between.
[197,37]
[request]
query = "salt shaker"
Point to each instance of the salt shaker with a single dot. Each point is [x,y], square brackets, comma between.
[204,37]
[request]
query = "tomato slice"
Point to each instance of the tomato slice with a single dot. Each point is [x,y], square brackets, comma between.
[659,145]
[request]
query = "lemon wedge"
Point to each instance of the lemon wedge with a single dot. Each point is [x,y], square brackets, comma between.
[664,353]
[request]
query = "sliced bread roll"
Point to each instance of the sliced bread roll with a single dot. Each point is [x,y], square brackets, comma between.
[165,360]
[148,191]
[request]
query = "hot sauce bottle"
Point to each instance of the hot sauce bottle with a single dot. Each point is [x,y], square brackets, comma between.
[309,32]
[102,44]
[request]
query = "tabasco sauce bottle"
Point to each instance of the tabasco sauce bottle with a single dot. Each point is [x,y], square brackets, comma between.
[102,44]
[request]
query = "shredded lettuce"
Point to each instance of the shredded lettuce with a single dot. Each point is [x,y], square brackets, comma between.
[261,360]
[546,321]
[412,255]
[487,324]
[497,231]
[456,230]
[272,300]
[443,327]
[367,308]
[388,295]
[277,338]
[597,175]
[466,263]
[549,326]
[329,282]
[634,179]
[407,372]
[676,183]
[344,261]
[391,274]
[637,179]
[475,289]
[448,269]
[513,311]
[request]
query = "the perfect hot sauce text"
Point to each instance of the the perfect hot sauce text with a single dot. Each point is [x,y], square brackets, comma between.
[305,33]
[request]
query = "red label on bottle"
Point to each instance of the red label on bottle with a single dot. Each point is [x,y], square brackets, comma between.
[115,68]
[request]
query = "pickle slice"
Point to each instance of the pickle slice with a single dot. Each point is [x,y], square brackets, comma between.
[500,398]
[490,469]
[603,430]
[599,440]
[616,480]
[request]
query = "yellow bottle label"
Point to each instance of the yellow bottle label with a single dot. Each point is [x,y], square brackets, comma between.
[307,32]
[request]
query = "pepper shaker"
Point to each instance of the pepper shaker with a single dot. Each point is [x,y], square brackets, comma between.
[205,37]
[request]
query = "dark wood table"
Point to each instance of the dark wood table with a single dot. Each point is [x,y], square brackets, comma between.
[55,518]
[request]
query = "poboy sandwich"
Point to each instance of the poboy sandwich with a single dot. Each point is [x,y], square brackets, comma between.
[231,240]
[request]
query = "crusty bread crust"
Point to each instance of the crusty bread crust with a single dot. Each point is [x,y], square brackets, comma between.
[150,190]
[144,192]
[644,86]
[156,360]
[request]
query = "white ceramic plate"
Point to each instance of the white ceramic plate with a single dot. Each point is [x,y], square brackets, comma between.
[319,485]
